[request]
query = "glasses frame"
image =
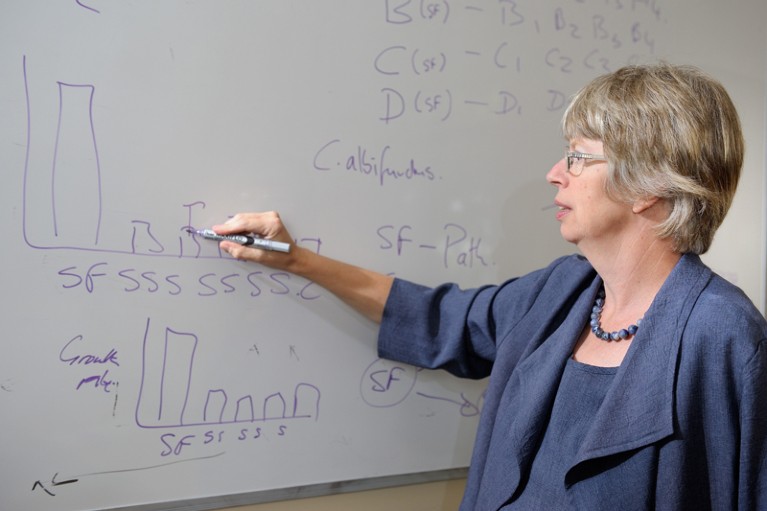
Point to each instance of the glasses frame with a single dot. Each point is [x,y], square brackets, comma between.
[577,155]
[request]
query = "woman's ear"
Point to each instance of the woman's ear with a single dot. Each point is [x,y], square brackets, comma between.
[643,204]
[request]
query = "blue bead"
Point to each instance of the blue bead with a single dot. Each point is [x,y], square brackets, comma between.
[623,334]
[633,329]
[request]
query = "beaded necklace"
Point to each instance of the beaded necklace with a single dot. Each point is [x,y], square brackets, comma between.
[596,326]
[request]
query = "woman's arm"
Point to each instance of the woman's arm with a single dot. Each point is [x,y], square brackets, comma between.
[364,290]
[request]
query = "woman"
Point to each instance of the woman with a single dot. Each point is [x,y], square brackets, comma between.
[631,377]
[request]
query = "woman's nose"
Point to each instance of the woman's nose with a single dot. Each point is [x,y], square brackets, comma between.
[558,173]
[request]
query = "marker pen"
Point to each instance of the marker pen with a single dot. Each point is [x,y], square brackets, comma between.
[244,239]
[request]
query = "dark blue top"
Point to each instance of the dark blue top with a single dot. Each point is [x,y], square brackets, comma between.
[580,394]
[683,425]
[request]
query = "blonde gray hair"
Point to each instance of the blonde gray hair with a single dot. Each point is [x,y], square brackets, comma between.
[669,132]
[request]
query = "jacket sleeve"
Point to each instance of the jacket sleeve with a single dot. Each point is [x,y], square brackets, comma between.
[752,480]
[461,330]
[443,327]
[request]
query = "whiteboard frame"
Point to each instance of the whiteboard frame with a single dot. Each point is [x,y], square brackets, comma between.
[301,492]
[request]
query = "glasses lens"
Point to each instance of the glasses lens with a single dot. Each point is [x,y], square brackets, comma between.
[573,166]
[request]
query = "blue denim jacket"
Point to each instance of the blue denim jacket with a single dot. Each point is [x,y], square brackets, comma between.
[684,425]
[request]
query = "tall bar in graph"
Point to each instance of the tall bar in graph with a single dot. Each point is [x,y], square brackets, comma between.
[76,170]
[176,376]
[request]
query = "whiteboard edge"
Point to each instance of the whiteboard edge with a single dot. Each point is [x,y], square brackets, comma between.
[300,492]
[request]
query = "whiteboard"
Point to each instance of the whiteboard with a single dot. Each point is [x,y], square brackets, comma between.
[141,366]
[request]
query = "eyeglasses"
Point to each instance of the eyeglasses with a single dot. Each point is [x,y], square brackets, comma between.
[576,160]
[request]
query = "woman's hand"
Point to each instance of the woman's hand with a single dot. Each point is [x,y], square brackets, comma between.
[364,290]
[266,225]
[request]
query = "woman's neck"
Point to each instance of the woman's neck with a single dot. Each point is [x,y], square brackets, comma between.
[632,278]
[633,272]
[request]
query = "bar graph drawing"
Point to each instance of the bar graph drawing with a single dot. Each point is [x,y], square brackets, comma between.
[165,396]
[64,205]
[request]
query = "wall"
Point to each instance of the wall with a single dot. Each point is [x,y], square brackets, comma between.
[437,496]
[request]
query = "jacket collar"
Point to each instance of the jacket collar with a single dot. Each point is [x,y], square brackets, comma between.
[639,408]
[534,381]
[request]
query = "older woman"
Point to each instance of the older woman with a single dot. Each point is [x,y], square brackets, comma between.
[631,377]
